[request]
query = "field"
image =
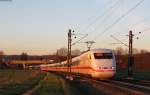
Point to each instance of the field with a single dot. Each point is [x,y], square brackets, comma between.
[16,82]
[21,82]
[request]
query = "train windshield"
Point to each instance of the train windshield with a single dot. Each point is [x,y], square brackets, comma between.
[103,55]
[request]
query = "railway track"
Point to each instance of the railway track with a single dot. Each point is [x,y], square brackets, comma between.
[132,86]
[111,87]
[134,81]
[88,86]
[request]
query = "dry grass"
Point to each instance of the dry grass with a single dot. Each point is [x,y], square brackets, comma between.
[15,82]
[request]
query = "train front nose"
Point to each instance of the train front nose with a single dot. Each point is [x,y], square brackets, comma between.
[103,75]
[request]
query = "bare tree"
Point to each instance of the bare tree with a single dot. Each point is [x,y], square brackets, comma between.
[143,51]
[126,51]
[119,51]
[1,56]
[62,51]
[1,53]
[135,51]
[76,52]
[24,56]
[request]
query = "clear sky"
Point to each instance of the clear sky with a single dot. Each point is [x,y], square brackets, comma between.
[41,26]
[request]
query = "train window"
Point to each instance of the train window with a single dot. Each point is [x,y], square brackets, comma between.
[103,55]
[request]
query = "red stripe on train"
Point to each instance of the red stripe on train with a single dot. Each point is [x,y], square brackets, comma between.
[65,68]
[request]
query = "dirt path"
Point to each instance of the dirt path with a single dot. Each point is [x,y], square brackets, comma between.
[61,85]
[64,86]
[29,92]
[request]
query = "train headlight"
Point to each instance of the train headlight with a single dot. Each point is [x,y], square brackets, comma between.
[112,67]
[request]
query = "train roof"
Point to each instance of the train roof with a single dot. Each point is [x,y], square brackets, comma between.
[98,50]
[78,57]
[101,50]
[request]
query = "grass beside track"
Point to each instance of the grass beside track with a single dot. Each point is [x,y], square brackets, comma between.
[55,85]
[137,74]
[51,85]
[16,82]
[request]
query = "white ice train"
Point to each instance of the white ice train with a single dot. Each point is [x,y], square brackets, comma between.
[98,63]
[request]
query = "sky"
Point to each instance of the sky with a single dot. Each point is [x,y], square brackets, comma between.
[40,27]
